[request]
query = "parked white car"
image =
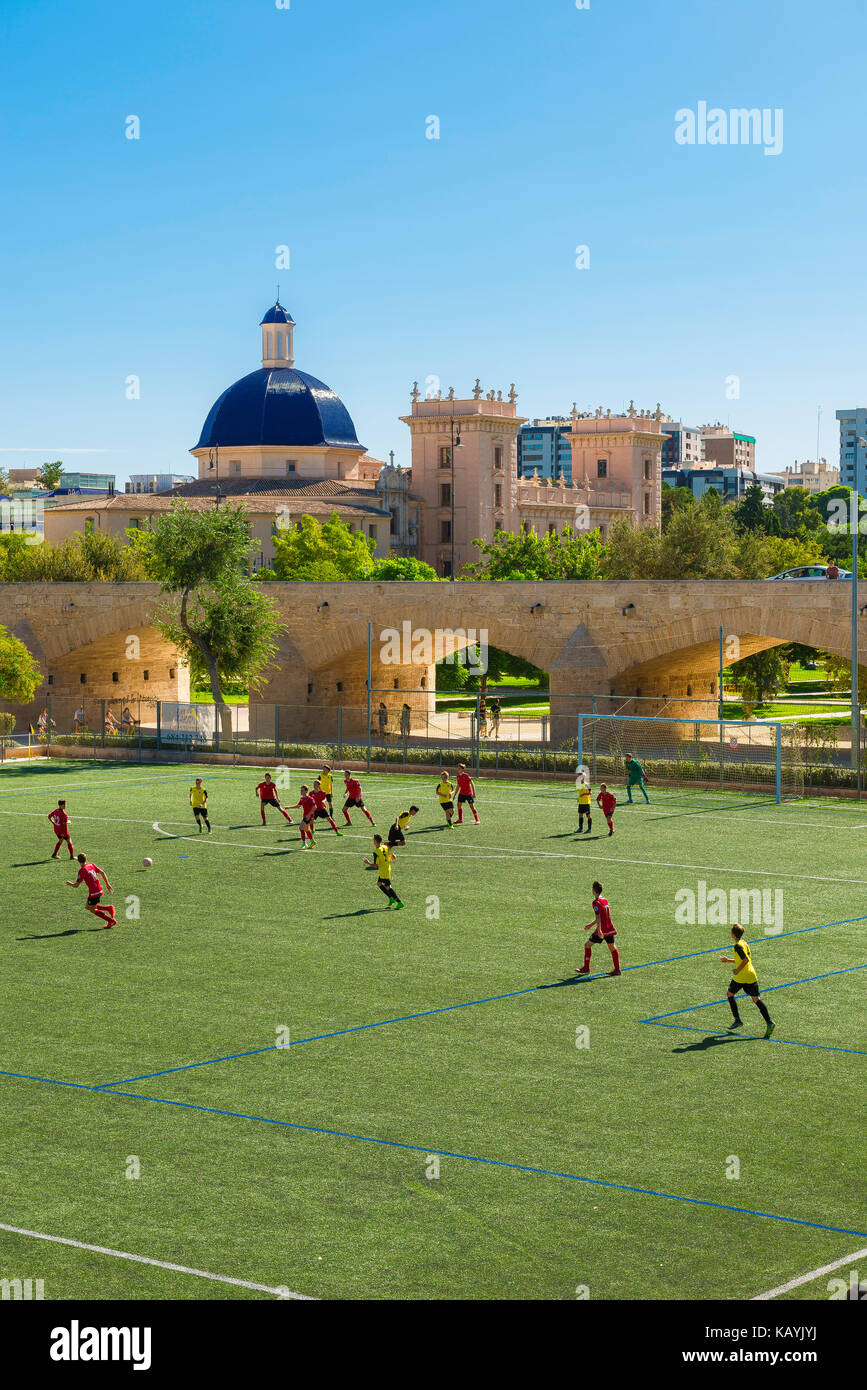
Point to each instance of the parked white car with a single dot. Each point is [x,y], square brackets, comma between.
[809,572]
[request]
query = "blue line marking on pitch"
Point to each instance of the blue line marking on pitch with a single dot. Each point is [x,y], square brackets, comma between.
[788,985]
[470,1003]
[492,1162]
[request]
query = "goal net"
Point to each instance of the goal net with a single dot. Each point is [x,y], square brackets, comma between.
[702,754]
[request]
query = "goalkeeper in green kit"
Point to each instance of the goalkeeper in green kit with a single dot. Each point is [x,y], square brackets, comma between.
[635,778]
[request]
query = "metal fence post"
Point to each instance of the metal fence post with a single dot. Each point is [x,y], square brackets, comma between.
[779,763]
[159,725]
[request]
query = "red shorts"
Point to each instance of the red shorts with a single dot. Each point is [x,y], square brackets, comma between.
[62,834]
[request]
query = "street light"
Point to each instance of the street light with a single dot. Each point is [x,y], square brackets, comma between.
[854,521]
[455,444]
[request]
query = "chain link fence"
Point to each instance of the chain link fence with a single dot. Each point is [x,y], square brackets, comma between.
[537,733]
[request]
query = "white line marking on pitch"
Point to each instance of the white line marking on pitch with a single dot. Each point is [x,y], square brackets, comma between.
[160,1264]
[807,1278]
[503,852]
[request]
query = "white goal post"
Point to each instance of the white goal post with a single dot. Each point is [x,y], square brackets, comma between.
[702,754]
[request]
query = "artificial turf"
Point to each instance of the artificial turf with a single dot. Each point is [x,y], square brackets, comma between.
[468,1152]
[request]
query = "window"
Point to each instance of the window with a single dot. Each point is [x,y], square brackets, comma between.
[135,524]
[552,529]
[83,679]
[647,504]
[371,531]
[147,675]
[235,466]
[446,567]
[602,468]
[340,685]
[445,456]
[445,494]
[498,494]
[648,467]
[498,456]
[290,465]
[114,677]
[445,530]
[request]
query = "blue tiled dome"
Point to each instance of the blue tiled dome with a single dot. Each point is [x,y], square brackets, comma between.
[281,406]
[277,314]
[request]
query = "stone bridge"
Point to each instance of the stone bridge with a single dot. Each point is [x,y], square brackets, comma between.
[646,647]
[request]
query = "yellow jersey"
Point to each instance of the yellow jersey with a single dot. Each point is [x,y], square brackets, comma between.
[445,791]
[583,795]
[403,820]
[325,782]
[745,973]
[384,859]
[198,796]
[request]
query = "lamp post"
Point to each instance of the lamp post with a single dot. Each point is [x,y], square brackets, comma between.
[854,521]
[455,444]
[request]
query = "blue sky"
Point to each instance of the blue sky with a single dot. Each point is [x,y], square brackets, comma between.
[412,257]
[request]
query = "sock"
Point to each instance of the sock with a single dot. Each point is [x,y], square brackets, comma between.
[369,816]
[286,814]
[588,951]
[733,1005]
[589,823]
[615,957]
[646,797]
[762,1008]
[476,816]
[263,817]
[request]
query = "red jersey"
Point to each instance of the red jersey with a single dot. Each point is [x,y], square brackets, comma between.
[91,879]
[607,800]
[353,789]
[267,791]
[465,784]
[604,924]
[307,804]
[60,820]
[318,798]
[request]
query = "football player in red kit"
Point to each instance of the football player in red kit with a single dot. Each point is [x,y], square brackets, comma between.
[267,794]
[308,811]
[602,929]
[354,798]
[320,799]
[60,820]
[90,875]
[607,800]
[466,792]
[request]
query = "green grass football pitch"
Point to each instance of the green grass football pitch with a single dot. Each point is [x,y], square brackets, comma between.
[436,1127]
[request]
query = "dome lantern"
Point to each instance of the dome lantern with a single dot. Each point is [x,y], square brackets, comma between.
[277,344]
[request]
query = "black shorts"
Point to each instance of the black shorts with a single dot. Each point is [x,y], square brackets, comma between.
[751,989]
[200,811]
[321,813]
[584,808]
[307,820]
[447,805]
[384,882]
[270,801]
[462,798]
[353,801]
[596,937]
[94,899]
[396,836]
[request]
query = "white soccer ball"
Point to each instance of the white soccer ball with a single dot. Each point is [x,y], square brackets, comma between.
[146,863]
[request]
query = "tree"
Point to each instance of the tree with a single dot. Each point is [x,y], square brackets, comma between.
[20,676]
[571,555]
[793,508]
[840,675]
[4,482]
[404,567]
[750,513]
[310,550]
[697,544]
[222,617]
[760,675]
[760,556]
[49,475]
[676,499]
[84,557]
